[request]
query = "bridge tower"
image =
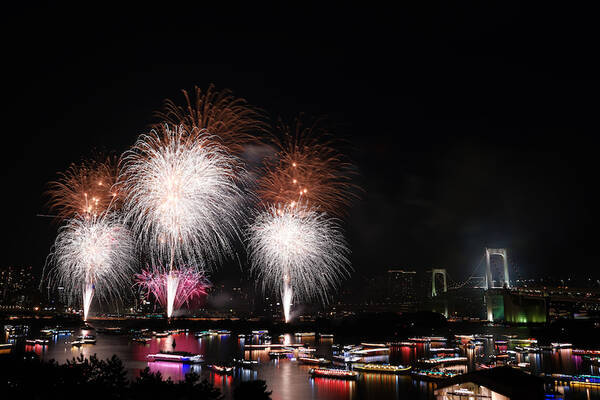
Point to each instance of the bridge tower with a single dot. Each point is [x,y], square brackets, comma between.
[488,271]
[435,272]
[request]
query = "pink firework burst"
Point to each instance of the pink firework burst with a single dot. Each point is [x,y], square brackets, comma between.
[175,288]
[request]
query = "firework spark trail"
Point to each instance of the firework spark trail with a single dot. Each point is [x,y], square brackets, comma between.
[297,251]
[92,255]
[182,198]
[85,189]
[307,169]
[172,289]
[229,118]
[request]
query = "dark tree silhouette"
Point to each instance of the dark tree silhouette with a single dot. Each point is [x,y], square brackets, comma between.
[252,390]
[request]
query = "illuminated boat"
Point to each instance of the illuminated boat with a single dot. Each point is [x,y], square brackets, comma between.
[378,351]
[382,368]
[260,332]
[306,350]
[5,346]
[443,360]
[37,341]
[374,345]
[271,345]
[280,353]
[580,351]
[219,369]
[77,343]
[333,373]
[313,361]
[161,334]
[224,332]
[245,363]
[432,375]
[143,340]
[444,350]
[201,334]
[326,335]
[561,345]
[585,380]
[87,339]
[346,359]
[176,356]
[304,334]
[402,344]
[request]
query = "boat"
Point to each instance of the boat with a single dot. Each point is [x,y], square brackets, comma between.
[382,368]
[224,332]
[176,356]
[306,350]
[313,361]
[87,339]
[245,363]
[280,353]
[77,343]
[161,334]
[371,345]
[141,339]
[304,334]
[561,345]
[443,360]
[220,369]
[326,335]
[346,359]
[201,334]
[432,375]
[5,346]
[37,341]
[272,345]
[260,332]
[333,373]
[582,352]
[377,351]
[444,350]
[402,344]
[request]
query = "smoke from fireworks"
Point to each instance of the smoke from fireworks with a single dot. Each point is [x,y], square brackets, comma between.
[93,256]
[173,289]
[182,198]
[307,169]
[297,251]
[229,118]
[85,189]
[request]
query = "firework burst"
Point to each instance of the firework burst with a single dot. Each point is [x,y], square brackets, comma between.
[307,169]
[92,256]
[172,289]
[182,197]
[298,252]
[85,189]
[229,118]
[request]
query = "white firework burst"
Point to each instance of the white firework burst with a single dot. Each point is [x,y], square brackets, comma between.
[298,252]
[183,196]
[93,255]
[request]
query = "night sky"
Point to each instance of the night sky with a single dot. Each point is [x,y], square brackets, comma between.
[470,127]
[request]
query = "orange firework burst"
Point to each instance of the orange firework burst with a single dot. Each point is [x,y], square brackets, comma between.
[307,170]
[85,189]
[222,114]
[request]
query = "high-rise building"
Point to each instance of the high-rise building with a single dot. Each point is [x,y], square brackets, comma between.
[18,285]
[401,286]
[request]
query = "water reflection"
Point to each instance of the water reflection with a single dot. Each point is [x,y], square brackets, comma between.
[290,380]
